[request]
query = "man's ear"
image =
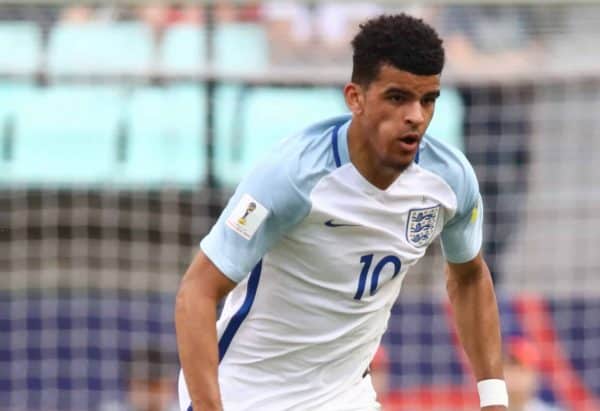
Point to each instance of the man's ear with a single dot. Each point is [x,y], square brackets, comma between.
[353,93]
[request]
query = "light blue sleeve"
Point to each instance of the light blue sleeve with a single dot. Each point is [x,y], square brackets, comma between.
[272,188]
[462,235]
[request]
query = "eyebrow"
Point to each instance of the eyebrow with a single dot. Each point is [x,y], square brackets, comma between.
[398,90]
[433,94]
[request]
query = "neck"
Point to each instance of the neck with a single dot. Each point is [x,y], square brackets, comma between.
[365,160]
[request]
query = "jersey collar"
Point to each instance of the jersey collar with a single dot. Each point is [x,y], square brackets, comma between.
[339,138]
[339,142]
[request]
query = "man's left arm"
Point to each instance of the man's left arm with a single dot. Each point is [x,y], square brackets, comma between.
[473,300]
[470,286]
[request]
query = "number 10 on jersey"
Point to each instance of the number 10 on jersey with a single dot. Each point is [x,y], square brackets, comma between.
[366,261]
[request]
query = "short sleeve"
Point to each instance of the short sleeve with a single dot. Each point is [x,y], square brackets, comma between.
[462,235]
[265,204]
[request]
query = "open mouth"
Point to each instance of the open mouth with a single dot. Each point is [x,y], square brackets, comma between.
[409,142]
[410,139]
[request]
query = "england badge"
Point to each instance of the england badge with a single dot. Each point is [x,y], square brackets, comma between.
[421,224]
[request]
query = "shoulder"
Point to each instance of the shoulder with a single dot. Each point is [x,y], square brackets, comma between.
[451,166]
[286,177]
[300,160]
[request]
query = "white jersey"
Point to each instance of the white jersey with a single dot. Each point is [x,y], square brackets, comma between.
[319,255]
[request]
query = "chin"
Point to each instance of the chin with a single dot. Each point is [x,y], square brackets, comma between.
[398,165]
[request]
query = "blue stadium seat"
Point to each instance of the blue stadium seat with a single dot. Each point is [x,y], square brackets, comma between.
[18,94]
[238,48]
[183,49]
[165,142]
[241,48]
[15,94]
[100,48]
[20,47]
[447,123]
[265,116]
[67,135]
[227,107]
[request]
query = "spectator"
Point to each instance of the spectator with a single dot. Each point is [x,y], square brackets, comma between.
[77,14]
[289,31]
[81,14]
[318,35]
[184,14]
[521,365]
[151,384]
[335,24]
[161,16]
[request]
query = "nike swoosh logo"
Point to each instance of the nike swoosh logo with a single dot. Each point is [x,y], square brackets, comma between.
[330,223]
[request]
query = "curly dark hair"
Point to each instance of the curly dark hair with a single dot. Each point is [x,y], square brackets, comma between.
[403,41]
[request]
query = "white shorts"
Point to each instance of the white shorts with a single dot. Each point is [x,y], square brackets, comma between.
[362,398]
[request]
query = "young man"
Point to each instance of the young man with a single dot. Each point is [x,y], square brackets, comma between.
[314,244]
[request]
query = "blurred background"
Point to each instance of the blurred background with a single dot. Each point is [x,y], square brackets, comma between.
[125,125]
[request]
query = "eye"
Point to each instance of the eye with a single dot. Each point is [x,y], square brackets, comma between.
[396,98]
[429,100]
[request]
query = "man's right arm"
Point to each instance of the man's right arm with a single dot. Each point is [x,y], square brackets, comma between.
[201,288]
[252,222]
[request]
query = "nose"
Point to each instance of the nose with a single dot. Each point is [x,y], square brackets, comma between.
[414,115]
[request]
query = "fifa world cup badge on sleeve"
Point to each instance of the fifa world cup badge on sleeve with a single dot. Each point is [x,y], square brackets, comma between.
[420,227]
[247,216]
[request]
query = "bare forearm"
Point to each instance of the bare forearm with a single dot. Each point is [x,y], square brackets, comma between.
[195,318]
[476,312]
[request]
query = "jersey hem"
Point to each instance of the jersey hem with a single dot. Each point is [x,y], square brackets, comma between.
[468,257]
[227,269]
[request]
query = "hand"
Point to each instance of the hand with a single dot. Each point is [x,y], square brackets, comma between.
[494,408]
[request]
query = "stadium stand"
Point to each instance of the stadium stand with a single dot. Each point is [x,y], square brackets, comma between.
[265,116]
[20,47]
[240,47]
[165,136]
[100,48]
[183,49]
[68,135]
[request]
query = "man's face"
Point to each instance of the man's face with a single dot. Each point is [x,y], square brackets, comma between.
[393,113]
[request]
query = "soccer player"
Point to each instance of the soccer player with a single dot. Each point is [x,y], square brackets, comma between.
[312,248]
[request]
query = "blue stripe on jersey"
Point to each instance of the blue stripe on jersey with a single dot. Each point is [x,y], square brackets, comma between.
[334,143]
[240,315]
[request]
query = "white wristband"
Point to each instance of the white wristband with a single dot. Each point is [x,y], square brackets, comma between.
[492,392]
